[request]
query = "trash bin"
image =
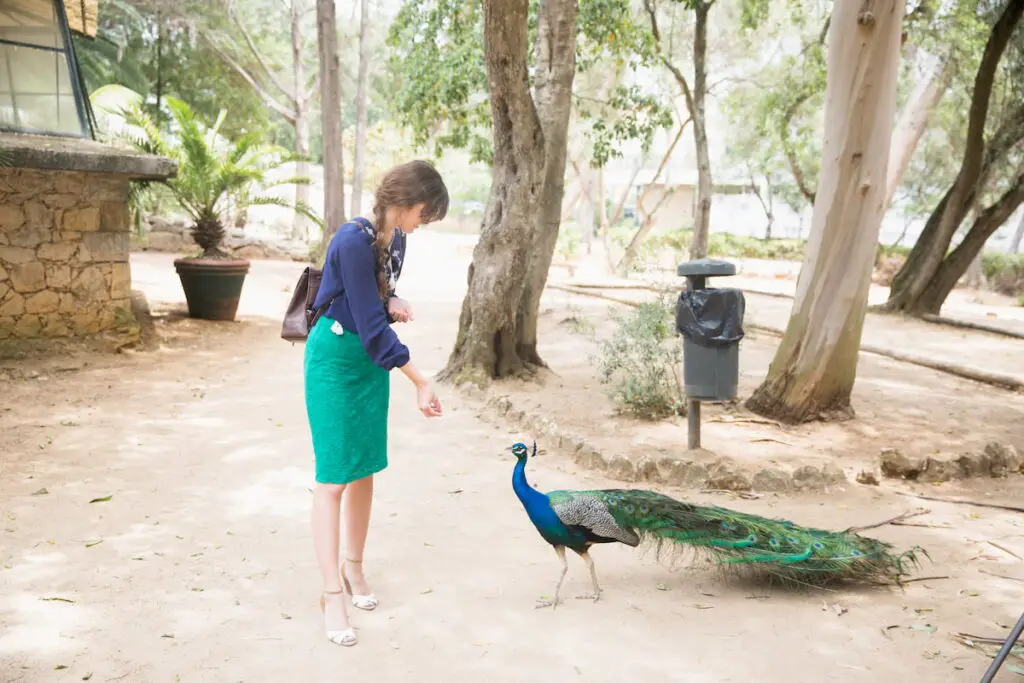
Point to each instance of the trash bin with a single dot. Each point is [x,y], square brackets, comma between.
[711,323]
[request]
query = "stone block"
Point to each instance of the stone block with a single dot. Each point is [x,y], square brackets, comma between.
[89,285]
[771,479]
[114,217]
[58,277]
[38,215]
[28,326]
[86,322]
[7,327]
[4,288]
[69,182]
[45,301]
[14,306]
[16,255]
[62,201]
[29,236]
[67,303]
[121,281]
[3,275]
[61,251]
[28,277]
[168,241]
[11,217]
[55,325]
[808,478]
[82,220]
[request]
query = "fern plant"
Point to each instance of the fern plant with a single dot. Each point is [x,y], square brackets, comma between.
[213,173]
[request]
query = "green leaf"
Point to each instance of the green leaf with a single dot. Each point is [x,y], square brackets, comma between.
[104,499]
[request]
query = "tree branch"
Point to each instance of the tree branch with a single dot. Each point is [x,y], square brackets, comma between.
[287,113]
[787,149]
[255,51]
[680,78]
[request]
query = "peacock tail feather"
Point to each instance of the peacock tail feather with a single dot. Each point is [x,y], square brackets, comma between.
[777,547]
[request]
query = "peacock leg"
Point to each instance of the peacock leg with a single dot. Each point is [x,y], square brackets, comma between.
[565,569]
[596,595]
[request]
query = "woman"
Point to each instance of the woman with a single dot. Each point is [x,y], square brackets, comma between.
[349,354]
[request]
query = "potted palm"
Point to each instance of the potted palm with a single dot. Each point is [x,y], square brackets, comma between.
[214,175]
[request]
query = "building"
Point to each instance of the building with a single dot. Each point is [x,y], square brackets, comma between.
[64,212]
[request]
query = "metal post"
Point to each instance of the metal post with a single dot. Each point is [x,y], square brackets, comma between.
[693,424]
[694,282]
[1004,651]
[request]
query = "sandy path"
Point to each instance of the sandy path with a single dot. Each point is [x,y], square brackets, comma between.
[205,571]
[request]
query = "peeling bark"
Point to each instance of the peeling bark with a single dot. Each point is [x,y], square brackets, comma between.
[814,368]
[913,122]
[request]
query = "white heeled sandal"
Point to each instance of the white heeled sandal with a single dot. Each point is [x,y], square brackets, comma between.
[344,637]
[363,602]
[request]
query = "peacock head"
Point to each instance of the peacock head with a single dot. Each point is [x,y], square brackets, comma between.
[521,451]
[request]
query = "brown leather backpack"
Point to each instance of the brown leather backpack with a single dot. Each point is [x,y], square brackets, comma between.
[300,317]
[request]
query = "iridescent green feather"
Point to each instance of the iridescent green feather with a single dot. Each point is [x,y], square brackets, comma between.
[778,547]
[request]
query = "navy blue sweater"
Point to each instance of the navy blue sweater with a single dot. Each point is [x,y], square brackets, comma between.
[350,277]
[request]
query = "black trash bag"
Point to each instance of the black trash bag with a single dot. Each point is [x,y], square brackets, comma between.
[710,317]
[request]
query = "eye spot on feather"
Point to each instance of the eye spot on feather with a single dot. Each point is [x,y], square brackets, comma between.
[629,509]
[856,553]
[752,538]
[644,509]
[774,542]
[791,539]
[818,545]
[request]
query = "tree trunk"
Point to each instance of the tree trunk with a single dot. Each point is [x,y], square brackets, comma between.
[959,260]
[1018,236]
[330,116]
[300,225]
[362,93]
[487,343]
[554,74]
[927,255]
[814,368]
[913,122]
[702,217]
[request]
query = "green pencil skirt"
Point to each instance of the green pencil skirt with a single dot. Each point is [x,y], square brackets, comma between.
[347,399]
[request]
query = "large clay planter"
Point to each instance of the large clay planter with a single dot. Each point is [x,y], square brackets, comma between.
[212,286]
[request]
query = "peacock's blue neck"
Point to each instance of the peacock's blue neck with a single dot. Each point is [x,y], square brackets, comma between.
[532,499]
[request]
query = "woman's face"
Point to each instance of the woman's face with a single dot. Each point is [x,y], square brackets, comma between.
[408,218]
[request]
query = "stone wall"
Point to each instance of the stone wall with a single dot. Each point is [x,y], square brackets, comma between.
[64,244]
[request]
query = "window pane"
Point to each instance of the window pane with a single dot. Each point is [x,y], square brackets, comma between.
[37,84]
[29,21]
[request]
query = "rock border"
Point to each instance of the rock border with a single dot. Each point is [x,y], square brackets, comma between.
[705,471]
[995,461]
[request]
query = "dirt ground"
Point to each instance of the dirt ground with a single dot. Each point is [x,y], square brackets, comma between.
[195,562]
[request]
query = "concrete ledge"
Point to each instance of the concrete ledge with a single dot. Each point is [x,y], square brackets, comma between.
[87,156]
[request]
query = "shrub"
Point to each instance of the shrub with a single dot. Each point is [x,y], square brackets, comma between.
[640,363]
[1004,272]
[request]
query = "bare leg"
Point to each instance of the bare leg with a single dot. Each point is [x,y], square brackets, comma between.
[561,577]
[596,595]
[326,523]
[357,503]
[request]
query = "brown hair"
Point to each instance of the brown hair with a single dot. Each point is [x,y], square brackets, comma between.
[405,185]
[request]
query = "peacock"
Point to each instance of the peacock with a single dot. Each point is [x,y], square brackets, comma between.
[578,519]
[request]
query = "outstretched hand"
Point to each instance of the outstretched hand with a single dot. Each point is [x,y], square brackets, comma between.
[400,309]
[427,401]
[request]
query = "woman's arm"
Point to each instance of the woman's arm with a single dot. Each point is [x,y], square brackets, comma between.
[356,263]
[426,399]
